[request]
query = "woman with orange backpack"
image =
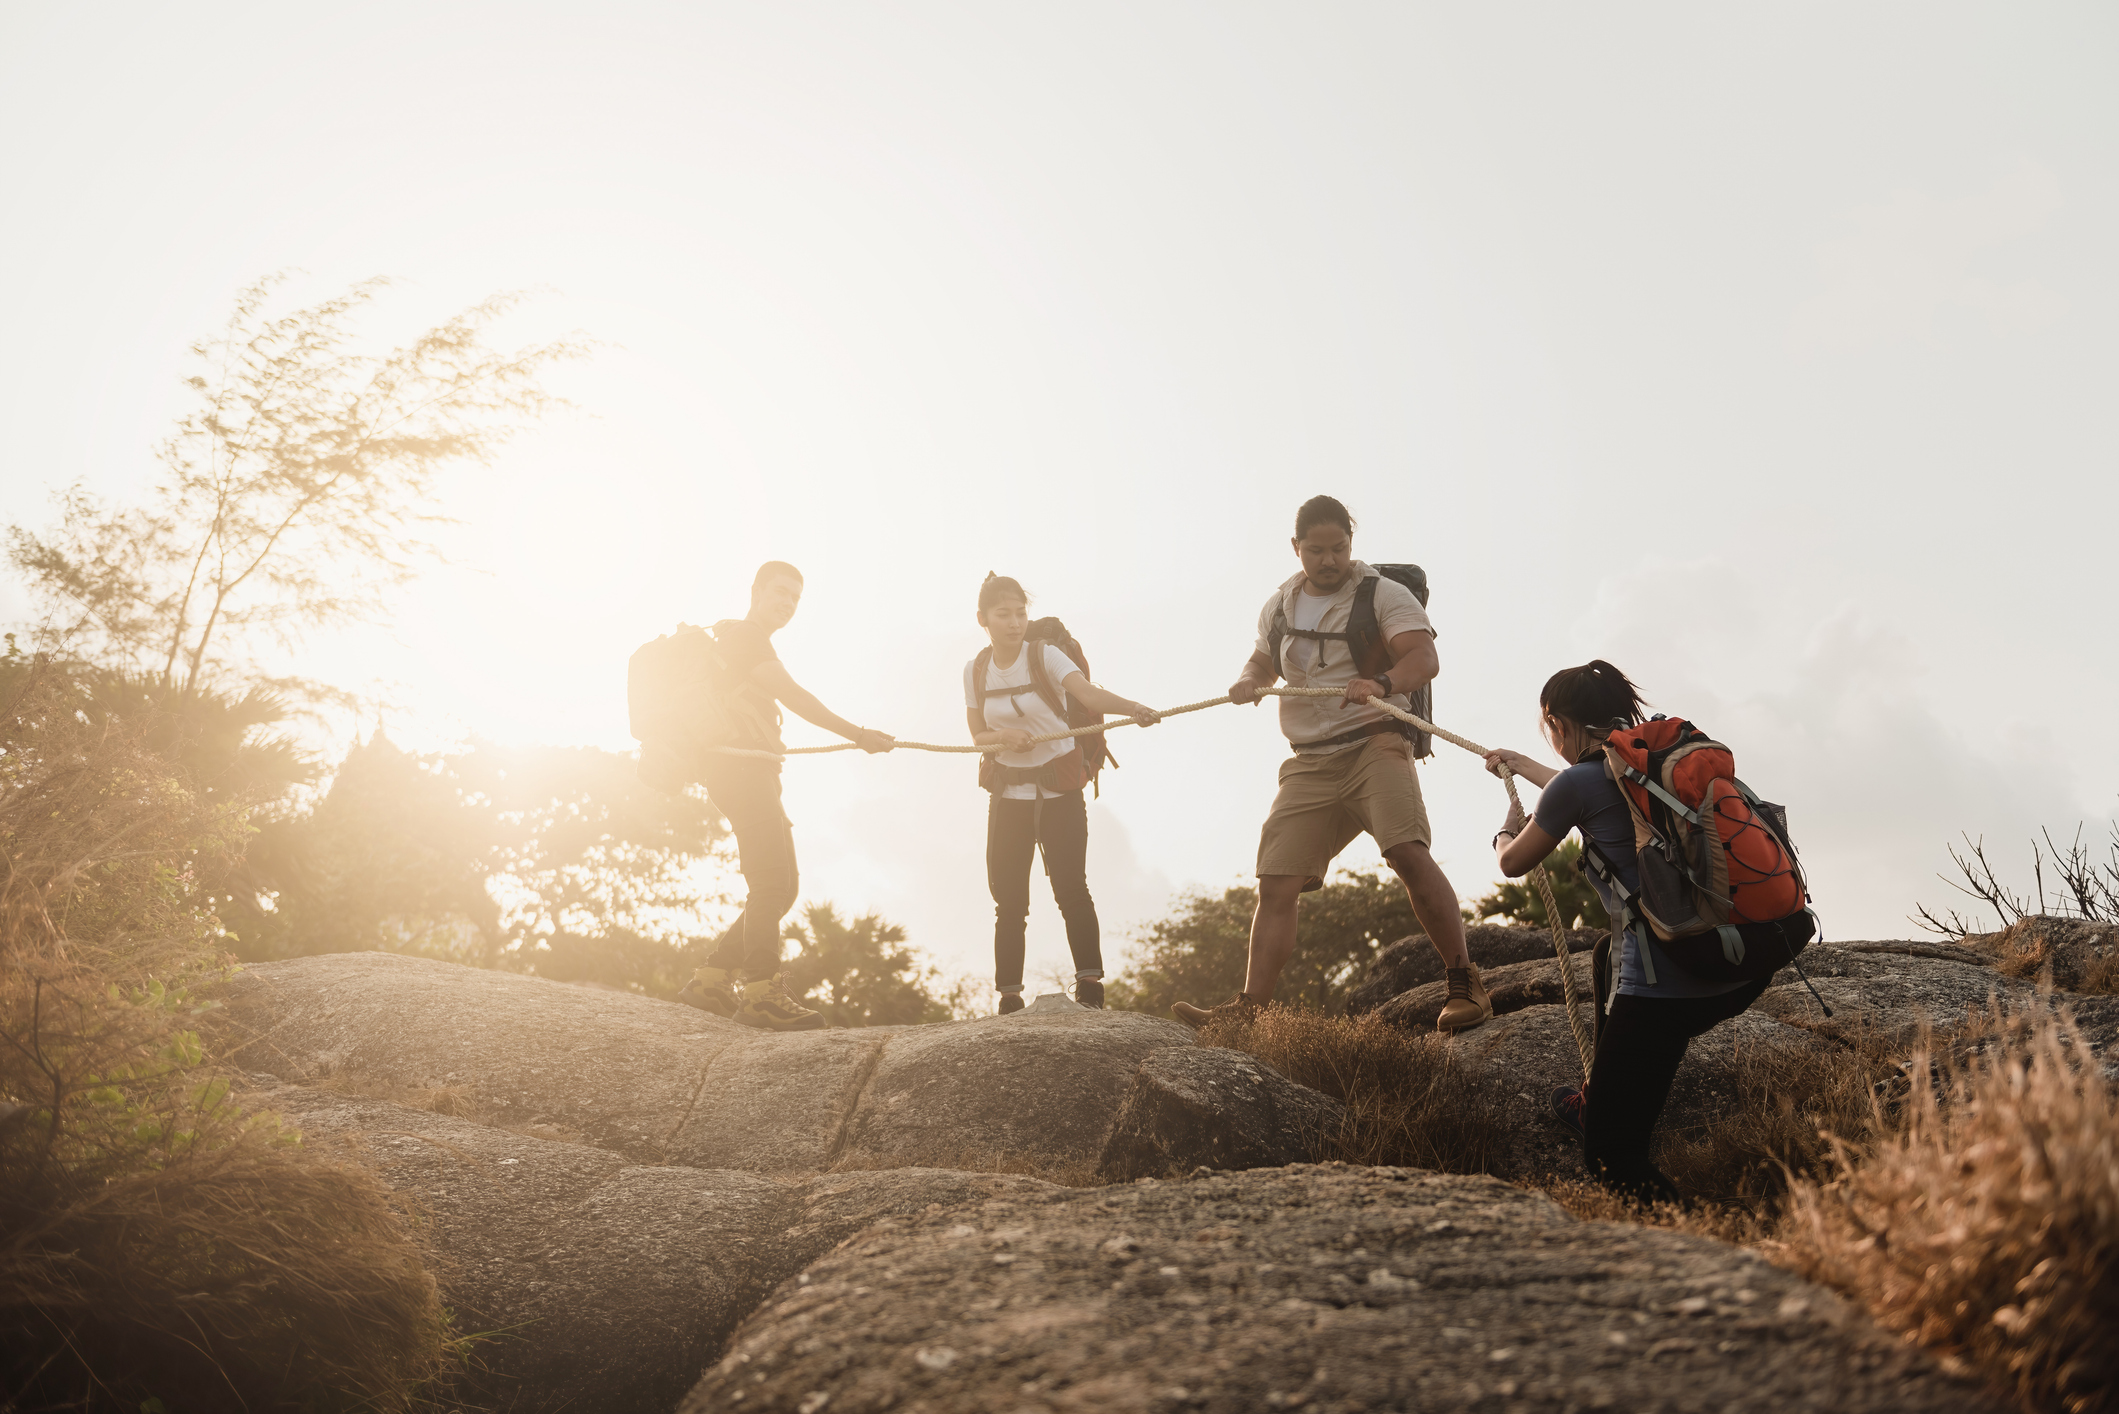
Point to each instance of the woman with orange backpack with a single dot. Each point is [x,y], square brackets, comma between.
[1031,681]
[1679,973]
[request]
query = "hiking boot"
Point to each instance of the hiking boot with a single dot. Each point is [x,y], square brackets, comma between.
[1569,1103]
[1468,1004]
[1011,1001]
[1089,991]
[767,1006]
[712,989]
[1241,1007]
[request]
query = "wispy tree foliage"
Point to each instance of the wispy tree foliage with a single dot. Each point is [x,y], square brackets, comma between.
[297,490]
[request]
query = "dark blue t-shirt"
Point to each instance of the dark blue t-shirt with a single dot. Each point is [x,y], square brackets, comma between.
[1583,797]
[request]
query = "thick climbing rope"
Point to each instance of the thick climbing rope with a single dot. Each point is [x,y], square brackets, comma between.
[1584,1042]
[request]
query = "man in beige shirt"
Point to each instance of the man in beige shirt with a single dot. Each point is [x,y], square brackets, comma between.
[1352,770]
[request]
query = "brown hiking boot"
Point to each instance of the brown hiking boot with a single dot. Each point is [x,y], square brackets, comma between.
[767,1006]
[1010,1002]
[1241,1007]
[1468,1003]
[712,989]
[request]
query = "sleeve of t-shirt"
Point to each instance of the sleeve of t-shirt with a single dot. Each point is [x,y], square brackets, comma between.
[1398,610]
[1059,667]
[1265,625]
[971,693]
[1566,800]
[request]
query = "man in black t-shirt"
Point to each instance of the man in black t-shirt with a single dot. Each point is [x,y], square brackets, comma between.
[742,977]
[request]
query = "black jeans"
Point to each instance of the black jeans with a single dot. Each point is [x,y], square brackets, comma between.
[1640,1045]
[1014,830]
[747,791]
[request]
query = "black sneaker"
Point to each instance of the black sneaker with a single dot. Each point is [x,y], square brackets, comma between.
[1089,991]
[1011,1001]
[1568,1103]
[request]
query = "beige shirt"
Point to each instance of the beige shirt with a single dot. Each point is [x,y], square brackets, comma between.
[1306,719]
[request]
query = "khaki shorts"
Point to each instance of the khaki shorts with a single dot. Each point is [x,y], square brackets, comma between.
[1325,801]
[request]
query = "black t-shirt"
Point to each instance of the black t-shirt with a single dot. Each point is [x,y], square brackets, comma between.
[744,646]
[1583,797]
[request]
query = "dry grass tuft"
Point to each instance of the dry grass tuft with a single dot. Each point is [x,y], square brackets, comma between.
[2100,976]
[1983,1220]
[1731,1223]
[1408,1097]
[1787,1102]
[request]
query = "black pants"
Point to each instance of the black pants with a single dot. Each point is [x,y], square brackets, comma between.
[1014,830]
[1640,1044]
[747,791]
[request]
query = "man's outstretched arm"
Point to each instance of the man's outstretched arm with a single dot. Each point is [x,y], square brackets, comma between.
[774,677]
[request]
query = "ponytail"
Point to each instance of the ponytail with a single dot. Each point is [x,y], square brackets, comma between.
[1596,696]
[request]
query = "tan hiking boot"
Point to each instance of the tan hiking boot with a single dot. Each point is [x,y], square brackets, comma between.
[712,989]
[1241,1007]
[768,1006]
[1468,1003]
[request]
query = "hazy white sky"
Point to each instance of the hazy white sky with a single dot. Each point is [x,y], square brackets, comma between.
[1768,352]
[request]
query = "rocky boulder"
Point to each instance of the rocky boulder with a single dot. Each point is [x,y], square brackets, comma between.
[1887,991]
[1511,988]
[602,1285]
[1326,1288]
[657,1082]
[1197,1106]
[1412,962]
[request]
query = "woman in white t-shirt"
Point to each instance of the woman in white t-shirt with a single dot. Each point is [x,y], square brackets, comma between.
[1036,786]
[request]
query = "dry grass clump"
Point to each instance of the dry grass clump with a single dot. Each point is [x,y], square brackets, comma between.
[1408,1098]
[1787,1102]
[159,1241]
[1983,1219]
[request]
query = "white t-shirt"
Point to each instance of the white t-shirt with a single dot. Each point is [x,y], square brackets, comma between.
[1013,703]
[1309,612]
[1311,719]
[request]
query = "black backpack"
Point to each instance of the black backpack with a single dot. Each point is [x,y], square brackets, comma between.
[1080,767]
[680,699]
[1364,640]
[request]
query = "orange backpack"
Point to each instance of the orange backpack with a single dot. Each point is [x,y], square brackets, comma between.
[1720,885]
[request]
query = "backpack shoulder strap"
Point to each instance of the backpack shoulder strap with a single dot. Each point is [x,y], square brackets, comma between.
[979,665]
[1277,636]
[1364,635]
[1055,696]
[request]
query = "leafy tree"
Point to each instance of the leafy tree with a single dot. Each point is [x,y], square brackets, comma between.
[294,493]
[486,856]
[1519,902]
[861,973]
[1198,954]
